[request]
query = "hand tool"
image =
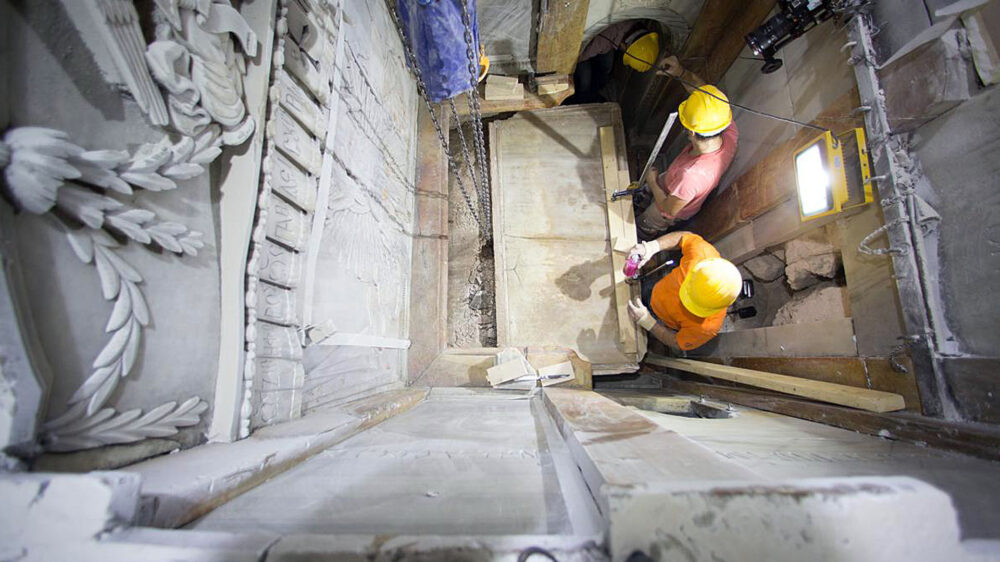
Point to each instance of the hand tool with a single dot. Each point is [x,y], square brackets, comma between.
[637,185]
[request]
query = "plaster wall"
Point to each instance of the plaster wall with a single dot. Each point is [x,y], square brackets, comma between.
[814,75]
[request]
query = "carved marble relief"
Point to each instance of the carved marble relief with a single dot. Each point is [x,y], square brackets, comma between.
[294,167]
[189,83]
[363,256]
[293,184]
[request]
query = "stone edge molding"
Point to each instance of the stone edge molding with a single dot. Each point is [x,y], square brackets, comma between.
[297,142]
[194,61]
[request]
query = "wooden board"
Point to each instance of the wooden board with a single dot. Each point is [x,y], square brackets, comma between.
[620,242]
[531,100]
[552,247]
[560,33]
[981,440]
[862,398]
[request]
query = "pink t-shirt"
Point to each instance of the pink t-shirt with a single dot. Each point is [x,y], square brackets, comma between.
[692,177]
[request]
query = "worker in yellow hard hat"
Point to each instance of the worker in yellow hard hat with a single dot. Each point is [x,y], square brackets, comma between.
[707,117]
[634,43]
[689,303]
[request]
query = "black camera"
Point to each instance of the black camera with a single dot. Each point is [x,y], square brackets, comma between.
[794,18]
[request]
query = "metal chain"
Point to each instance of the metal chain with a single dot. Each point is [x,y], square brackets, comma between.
[477,185]
[411,61]
[477,119]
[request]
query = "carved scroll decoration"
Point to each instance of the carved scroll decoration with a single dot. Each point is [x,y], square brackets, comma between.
[193,59]
[43,170]
[292,200]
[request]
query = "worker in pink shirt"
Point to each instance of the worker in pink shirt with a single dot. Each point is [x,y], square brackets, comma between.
[708,118]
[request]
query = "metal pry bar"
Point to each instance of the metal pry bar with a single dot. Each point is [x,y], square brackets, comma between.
[637,185]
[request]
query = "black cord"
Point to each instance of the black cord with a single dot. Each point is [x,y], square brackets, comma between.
[732,104]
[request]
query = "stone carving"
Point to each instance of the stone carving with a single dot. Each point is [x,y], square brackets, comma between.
[294,159]
[286,224]
[278,265]
[276,305]
[122,33]
[293,184]
[193,58]
[294,141]
[280,390]
[43,169]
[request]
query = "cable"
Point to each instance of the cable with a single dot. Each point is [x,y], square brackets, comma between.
[732,104]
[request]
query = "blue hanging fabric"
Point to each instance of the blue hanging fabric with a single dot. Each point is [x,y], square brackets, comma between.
[436,34]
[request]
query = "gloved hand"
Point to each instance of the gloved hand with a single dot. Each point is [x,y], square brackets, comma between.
[646,251]
[640,314]
[670,66]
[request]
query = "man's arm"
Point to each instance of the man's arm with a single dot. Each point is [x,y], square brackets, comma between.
[646,250]
[666,336]
[670,66]
[641,316]
[669,205]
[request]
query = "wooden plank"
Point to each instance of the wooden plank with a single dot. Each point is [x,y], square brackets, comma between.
[627,214]
[499,252]
[872,400]
[616,229]
[560,34]
[980,440]
[875,373]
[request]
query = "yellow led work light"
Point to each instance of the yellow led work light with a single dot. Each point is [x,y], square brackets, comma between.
[832,174]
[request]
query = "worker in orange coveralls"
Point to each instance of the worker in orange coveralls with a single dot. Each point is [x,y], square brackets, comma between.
[707,117]
[689,304]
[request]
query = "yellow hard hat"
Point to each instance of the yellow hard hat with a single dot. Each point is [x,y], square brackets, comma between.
[706,111]
[643,52]
[710,287]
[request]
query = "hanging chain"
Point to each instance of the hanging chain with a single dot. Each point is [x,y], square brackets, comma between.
[477,120]
[484,226]
[411,61]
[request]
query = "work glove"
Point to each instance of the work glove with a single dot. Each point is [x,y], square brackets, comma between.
[640,314]
[670,66]
[645,251]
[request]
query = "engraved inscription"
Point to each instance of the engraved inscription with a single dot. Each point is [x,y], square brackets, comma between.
[275,304]
[278,265]
[295,142]
[293,98]
[277,342]
[292,183]
[286,224]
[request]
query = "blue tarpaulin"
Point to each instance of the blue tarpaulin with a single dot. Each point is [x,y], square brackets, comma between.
[436,34]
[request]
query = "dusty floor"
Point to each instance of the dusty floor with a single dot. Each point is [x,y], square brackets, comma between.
[461,463]
[471,286]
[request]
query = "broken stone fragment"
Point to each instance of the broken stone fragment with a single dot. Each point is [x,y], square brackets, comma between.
[765,267]
[811,244]
[820,303]
[806,272]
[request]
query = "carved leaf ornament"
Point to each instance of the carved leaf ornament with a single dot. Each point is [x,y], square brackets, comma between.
[44,172]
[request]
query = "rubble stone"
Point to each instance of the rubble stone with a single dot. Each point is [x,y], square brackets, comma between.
[807,272]
[765,267]
[820,303]
[810,244]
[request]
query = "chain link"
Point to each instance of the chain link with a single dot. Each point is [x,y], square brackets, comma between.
[477,121]
[411,61]
[477,185]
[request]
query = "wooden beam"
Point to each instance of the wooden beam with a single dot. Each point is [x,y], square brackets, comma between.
[981,440]
[872,400]
[620,243]
[560,35]
[531,100]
